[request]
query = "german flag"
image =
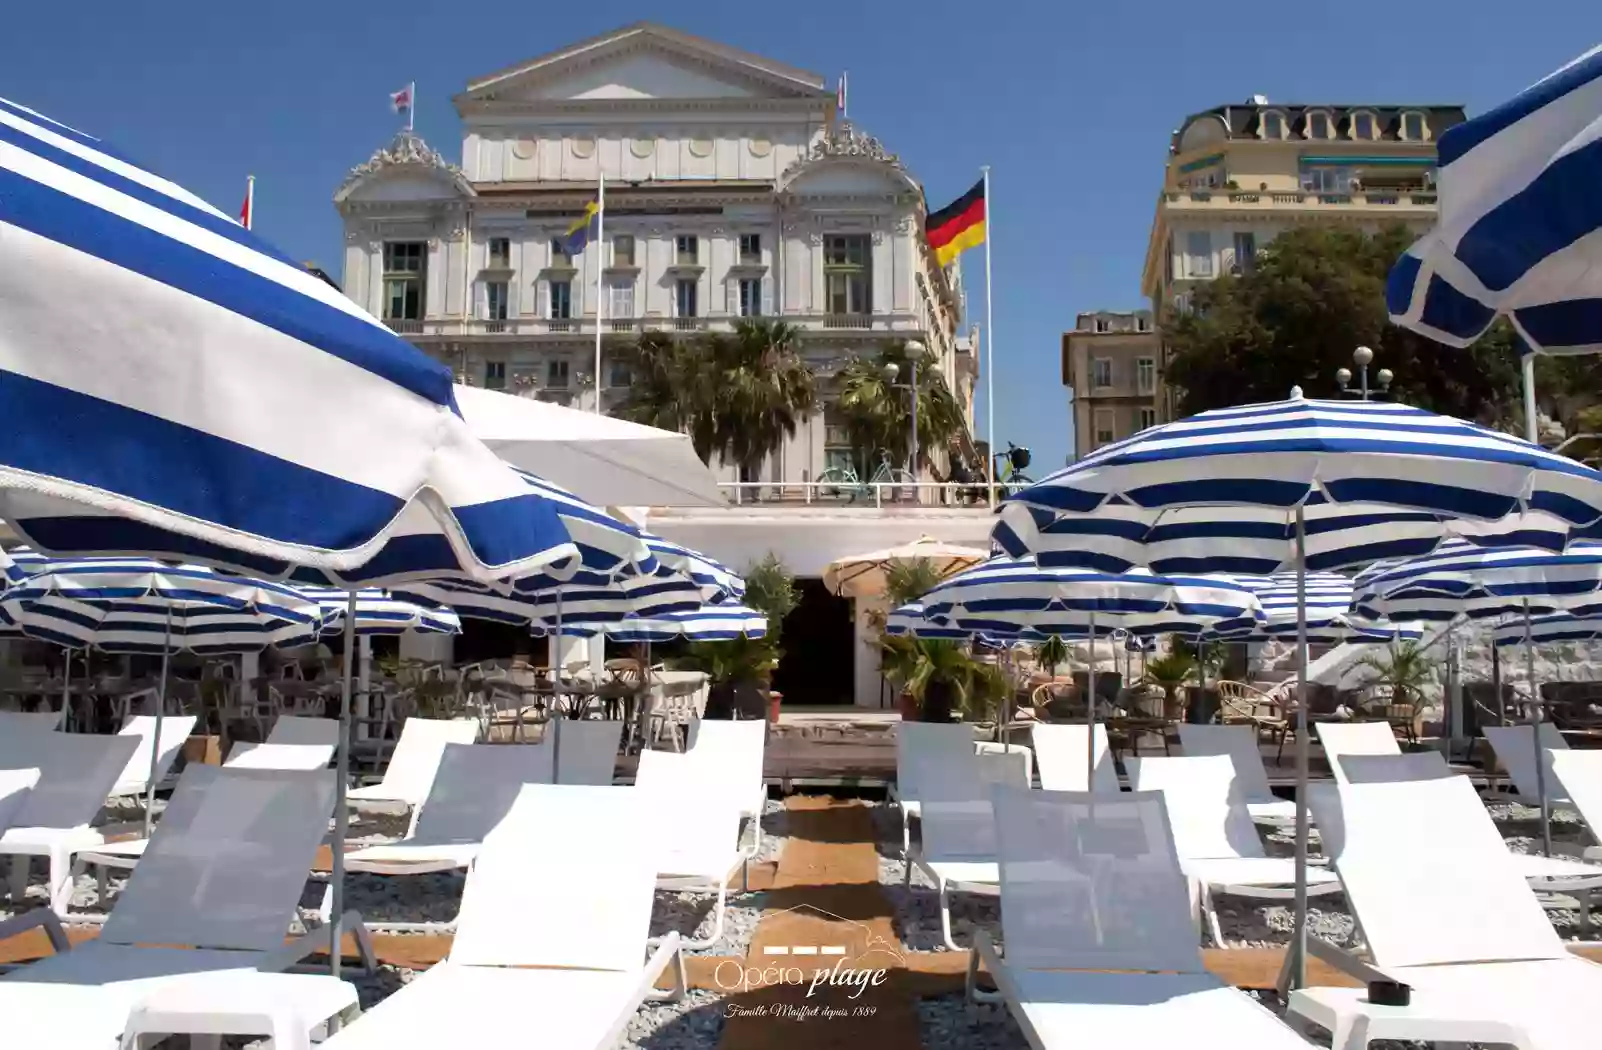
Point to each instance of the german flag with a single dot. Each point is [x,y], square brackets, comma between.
[958,226]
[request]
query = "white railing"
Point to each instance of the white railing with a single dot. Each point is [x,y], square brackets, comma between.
[861,494]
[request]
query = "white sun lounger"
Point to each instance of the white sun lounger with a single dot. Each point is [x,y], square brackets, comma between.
[15,784]
[1516,752]
[563,969]
[473,791]
[412,764]
[957,849]
[1214,836]
[695,830]
[246,755]
[304,729]
[15,722]
[76,772]
[1090,882]
[134,781]
[1240,744]
[586,750]
[1546,875]
[734,751]
[1354,738]
[1444,909]
[1061,757]
[923,749]
[223,874]
[1580,773]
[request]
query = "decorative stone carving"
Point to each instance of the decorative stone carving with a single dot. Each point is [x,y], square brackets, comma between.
[523,149]
[583,147]
[407,150]
[701,147]
[903,225]
[878,236]
[641,147]
[760,147]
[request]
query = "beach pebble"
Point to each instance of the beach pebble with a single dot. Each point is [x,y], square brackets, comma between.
[695,1022]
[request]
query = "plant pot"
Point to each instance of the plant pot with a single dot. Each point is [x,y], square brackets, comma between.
[940,702]
[775,698]
[909,707]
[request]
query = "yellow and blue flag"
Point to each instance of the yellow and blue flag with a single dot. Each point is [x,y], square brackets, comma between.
[578,234]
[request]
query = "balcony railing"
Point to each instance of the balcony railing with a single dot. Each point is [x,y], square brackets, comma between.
[561,324]
[848,321]
[1302,198]
[623,324]
[404,327]
[494,326]
[688,324]
[865,494]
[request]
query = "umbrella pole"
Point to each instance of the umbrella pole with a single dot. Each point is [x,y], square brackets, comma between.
[66,686]
[554,722]
[1090,710]
[1535,735]
[161,706]
[336,872]
[1298,974]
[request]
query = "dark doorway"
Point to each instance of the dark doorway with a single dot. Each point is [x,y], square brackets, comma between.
[818,661]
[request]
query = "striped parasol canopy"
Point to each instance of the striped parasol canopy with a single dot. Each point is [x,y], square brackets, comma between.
[1459,579]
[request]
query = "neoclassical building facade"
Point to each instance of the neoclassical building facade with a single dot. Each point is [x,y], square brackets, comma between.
[731,190]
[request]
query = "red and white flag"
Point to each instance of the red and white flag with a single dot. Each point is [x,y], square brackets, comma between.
[402,99]
[246,209]
[840,96]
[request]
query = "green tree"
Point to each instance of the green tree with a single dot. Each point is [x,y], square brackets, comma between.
[1315,294]
[769,589]
[877,416]
[739,394]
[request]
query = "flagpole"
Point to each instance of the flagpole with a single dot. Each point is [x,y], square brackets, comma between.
[990,355]
[411,105]
[600,289]
[250,201]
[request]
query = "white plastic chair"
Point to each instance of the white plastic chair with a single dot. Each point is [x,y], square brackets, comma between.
[1354,738]
[223,873]
[1444,908]
[15,722]
[1239,742]
[246,755]
[923,751]
[473,791]
[1215,838]
[1516,752]
[136,776]
[694,830]
[1061,757]
[76,773]
[568,962]
[1090,882]
[586,750]
[957,847]
[412,764]
[1580,773]
[299,729]
[733,752]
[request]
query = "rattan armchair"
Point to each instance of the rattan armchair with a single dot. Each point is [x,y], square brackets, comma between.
[1242,704]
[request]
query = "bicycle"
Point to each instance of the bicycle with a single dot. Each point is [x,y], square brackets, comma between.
[1009,470]
[845,480]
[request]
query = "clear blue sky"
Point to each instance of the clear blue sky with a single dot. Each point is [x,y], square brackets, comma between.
[1070,103]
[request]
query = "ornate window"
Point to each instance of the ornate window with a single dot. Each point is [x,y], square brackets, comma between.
[1415,127]
[848,274]
[1364,126]
[405,267]
[1319,125]
[1271,125]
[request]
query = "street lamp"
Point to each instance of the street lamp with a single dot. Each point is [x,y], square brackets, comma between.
[915,352]
[1362,357]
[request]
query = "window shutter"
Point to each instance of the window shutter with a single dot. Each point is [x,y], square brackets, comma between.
[542,298]
[767,297]
[731,289]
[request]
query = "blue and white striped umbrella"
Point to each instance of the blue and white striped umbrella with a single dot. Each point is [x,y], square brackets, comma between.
[173,384]
[125,605]
[1008,594]
[1218,492]
[587,599]
[710,623]
[911,619]
[1520,228]
[718,582]
[1550,629]
[1459,579]
[381,613]
[1330,618]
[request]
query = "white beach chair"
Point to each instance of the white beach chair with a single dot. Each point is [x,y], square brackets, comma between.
[473,791]
[562,969]
[923,751]
[586,750]
[303,729]
[134,781]
[1061,757]
[1354,738]
[247,755]
[1215,839]
[13,723]
[412,764]
[1552,877]
[957,848]
[1090,882]
[1580,773]
[1515,750]
[223,874]
[1444,909]
[695,830]
[15,785]
[734,751]
[1239,742]
[76,773]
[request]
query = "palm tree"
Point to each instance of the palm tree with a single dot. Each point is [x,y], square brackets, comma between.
[877,415]
[739,394]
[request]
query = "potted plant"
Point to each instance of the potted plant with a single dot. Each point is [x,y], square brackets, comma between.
[1170,672]
[947,682]
[1051,654]
[1400,674]
[740,670]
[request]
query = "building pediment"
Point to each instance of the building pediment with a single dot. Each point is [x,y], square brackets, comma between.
[405,170]
[641,63]
[846,162]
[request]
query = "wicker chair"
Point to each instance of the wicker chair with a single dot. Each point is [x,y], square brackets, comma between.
[1242,704]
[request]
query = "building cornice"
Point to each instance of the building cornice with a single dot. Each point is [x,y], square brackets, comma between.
[628,107]
[407,152]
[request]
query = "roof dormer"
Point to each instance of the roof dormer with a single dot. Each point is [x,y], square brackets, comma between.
[1363,125]
[1318,124]
[1272,125]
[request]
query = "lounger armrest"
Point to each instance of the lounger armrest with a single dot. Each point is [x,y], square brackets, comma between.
[984,950]
[1344,961]
[321,939]
[18,925]
[670,950]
